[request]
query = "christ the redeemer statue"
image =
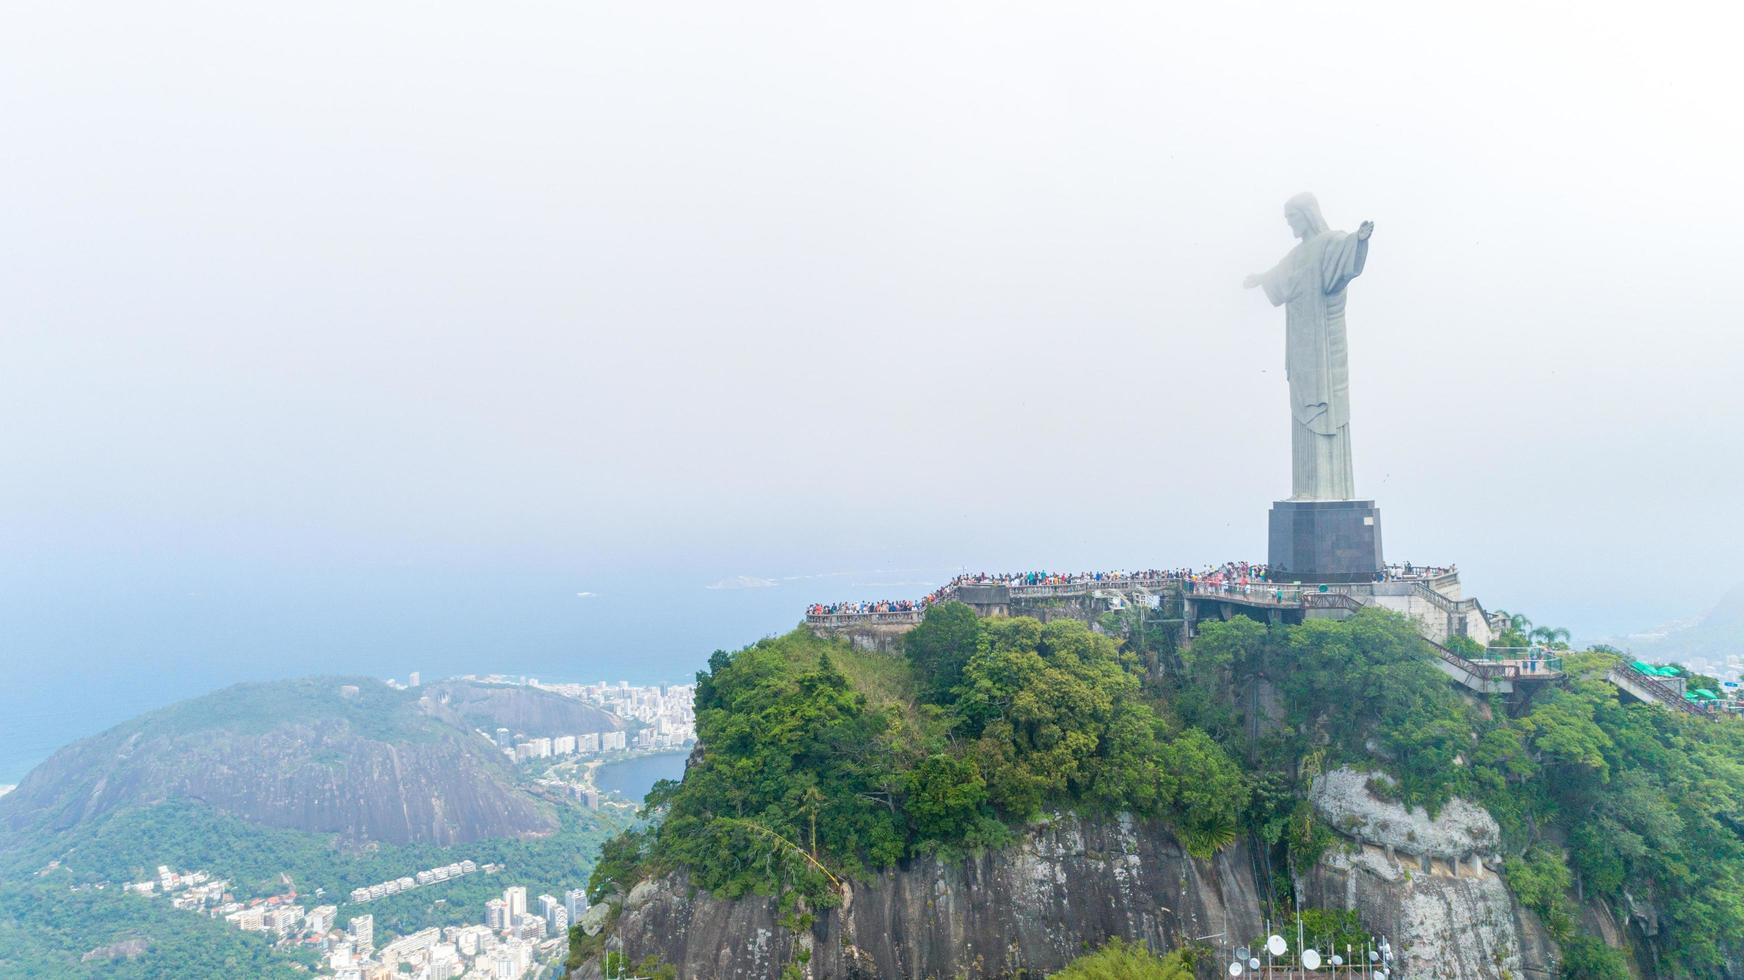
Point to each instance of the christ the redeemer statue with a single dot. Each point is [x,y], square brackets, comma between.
[1309,283]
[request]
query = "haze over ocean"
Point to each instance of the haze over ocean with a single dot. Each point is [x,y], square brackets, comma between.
[106,655]
[362,338]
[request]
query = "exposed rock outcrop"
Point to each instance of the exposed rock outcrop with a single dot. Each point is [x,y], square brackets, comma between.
[1028,907]
[1429,883]
[1452,921]
[1070,884]
[1460,832]
[126,949]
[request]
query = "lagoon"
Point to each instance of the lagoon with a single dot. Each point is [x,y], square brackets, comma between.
[633,778]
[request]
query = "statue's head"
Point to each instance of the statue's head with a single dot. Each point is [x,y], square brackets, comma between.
[1303,214]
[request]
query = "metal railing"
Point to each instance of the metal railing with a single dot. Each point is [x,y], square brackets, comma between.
[883,618]
[1331,600]
[1662,692]
[1043,590]
[1488,671]
[1254,593]
[1397,571]
[1280,597]
[1524,668]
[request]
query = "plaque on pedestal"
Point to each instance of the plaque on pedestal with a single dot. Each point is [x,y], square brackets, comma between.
[1325,541]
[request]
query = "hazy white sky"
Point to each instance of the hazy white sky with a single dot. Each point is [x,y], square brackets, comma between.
[393,293]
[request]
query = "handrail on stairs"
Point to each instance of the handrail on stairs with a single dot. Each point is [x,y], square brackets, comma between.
[1661,691]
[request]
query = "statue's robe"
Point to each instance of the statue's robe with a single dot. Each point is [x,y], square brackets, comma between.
[1309,283]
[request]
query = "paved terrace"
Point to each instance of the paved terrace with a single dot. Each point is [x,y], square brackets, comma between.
[1498,670]
[1230,587]
[1212,582]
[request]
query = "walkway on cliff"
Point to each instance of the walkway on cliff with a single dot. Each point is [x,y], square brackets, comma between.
[1652,690]
[1497,670]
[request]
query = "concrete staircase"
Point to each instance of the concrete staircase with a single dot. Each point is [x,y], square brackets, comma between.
[1650,689]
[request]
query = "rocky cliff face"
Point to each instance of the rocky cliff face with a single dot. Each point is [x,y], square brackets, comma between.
[1430,884]
[1072,883]
[1031,907]
[1448,922]
[352,758]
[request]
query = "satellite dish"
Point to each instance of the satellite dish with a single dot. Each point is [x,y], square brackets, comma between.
[1277,946]
[1254,963]
[1373,956]
[1337,960]
[1380,975]
[1235,969]
[1311,959]
[1241,953]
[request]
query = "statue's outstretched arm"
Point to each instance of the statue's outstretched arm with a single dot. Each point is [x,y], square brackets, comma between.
[1344,260]
[1275,280]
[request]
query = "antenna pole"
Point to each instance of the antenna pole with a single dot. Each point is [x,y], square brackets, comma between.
[1268,949]
[1304,966]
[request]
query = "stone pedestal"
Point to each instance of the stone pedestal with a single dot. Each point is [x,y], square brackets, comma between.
[986,600]
[1325,541]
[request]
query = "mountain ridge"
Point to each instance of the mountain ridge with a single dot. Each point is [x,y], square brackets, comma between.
[341,755]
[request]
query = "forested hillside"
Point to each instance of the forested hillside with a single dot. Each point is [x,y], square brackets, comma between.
[347,756]
[821,762]
[310,787]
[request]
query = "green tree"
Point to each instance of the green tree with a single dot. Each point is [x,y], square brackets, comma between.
[1219,670]
[1587,958]
[1210,792]
[947,798]
[1121,960]
[1550,636]
[940,646]
[1561,731]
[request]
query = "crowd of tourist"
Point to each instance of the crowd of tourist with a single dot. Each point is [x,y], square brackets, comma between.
[1233,576]
[1229,578]
[1016,579]
[1400,570]
[864,608]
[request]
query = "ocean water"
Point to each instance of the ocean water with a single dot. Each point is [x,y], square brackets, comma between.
[73,665]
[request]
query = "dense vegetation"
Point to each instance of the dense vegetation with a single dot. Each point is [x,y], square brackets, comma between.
[1598,798]
[822,761]
[45,931]
[1120,960]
